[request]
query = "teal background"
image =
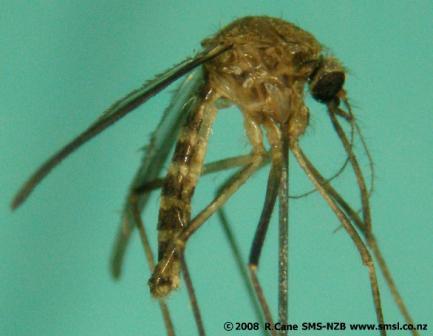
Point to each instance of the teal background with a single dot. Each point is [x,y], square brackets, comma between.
[62,63]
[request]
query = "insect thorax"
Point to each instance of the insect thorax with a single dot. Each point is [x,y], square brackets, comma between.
[265,71]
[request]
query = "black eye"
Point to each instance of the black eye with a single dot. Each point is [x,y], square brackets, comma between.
[327,80]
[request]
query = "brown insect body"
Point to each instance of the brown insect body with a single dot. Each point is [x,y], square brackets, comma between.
[179,184]
[264,73]
[261,65]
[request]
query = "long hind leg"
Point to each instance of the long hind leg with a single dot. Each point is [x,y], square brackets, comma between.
[240,264]
[149,256]
[192,297]
[366,229]
[353,215]
[364,253]
[260,234]
[271,194]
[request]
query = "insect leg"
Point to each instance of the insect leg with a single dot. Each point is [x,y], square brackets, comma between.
[353,126]
[332,107]
[234,246]
[277,184]
[390,282]
[259,237]
[363,142]
[232,162]
[176,245]
[262,298]
[149,255]
[353,215]
[372,243]
[363,251]
[192,297]
[283,229]
[268,207]
[367,230]
[209,168]
[267,211]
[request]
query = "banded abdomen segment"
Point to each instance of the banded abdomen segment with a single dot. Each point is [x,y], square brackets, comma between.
[178,189]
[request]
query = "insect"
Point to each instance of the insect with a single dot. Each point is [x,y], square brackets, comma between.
[262,65]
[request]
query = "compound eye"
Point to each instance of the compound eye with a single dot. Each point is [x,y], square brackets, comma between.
[327,80]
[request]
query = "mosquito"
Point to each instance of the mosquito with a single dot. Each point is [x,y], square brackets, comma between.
[262,65]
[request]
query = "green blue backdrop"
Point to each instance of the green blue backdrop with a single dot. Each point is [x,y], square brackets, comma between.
[62,63]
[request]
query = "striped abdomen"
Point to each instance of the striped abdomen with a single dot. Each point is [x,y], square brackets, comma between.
[178,188]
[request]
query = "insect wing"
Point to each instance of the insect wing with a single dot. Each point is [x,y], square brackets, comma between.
[113,114]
